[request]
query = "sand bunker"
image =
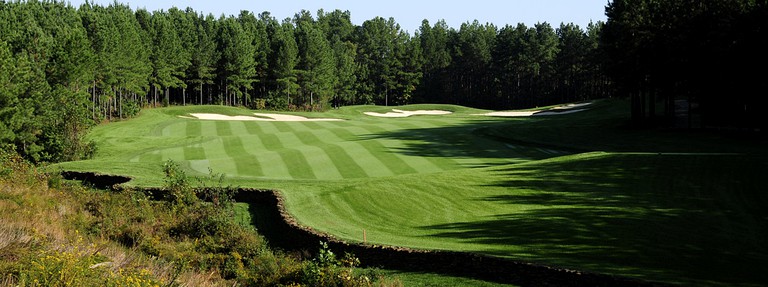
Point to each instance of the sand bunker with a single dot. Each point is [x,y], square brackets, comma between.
[259,117]
[561,110]
[395,113]
[572,106]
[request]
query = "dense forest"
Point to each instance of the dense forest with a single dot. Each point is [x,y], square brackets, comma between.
[64,69]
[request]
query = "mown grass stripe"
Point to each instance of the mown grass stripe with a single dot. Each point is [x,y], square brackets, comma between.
[214,149]
[252,144]
[253,128]
[312,126]
[282,127]
[274,166]
[322,165]
[153,156]
[271,142]
[268,127]
[421,164]
[218,159]
[394,163]
[208,128]
[194,152]
[223,128]
[299,126]
[237,128]
[349,134]
[343,164]
[317,161]
[172,129]
[299,167]
[246,164]
[193,129]
[369,164]
[175,153]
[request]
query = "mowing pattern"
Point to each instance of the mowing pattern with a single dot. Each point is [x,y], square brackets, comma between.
[362,148]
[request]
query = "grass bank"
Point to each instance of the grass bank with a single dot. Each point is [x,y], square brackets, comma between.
[584,190]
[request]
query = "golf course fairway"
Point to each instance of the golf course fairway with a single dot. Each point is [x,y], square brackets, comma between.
[568,189]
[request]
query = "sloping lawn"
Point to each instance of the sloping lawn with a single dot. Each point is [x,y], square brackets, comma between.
[581,190]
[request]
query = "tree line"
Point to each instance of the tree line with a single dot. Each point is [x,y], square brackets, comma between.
[64,68]
[711,55]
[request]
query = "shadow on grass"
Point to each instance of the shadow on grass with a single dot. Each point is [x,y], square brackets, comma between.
[694,220]
[468,141]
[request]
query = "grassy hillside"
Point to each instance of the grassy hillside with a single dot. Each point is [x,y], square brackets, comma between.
[580,190]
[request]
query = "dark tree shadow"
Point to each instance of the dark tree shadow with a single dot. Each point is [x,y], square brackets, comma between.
[632,215]
[468,140]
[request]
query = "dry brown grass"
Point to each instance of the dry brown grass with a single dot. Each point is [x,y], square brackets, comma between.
[37,219]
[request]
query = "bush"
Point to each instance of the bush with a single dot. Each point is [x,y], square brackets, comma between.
[177,189]
[327,270]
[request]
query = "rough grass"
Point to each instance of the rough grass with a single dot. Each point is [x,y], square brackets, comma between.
[582,190]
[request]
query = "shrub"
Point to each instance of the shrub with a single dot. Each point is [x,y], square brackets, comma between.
[327,270]
[178,191]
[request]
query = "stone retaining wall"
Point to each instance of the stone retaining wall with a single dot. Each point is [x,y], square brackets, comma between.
[287,233]
[283,231]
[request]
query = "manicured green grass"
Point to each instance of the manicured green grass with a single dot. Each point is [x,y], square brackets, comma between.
[581,191]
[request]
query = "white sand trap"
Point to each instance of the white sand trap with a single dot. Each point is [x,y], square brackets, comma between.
[572,106]
[395,113]
[561,110]
[558,113]
[259,117]
[509,114]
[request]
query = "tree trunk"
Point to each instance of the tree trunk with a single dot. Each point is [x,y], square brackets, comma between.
[93,98]
[120,103]
[154,103]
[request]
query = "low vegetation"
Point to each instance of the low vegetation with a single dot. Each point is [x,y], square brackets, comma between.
[59,233]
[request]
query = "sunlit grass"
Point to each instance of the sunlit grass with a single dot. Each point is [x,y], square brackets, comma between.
[584,190]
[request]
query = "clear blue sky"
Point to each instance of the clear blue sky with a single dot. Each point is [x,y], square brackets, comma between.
[407,13]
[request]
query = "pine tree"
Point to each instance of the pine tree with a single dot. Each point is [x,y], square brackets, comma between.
[285,55]
[316,63]
[169,58]
[237,65]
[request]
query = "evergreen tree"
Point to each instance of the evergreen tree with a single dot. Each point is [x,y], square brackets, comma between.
[285,54]
[169,58]
[316,63]
[204,55]
[436,59]
[378,45]
[473,44]
[237,65]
